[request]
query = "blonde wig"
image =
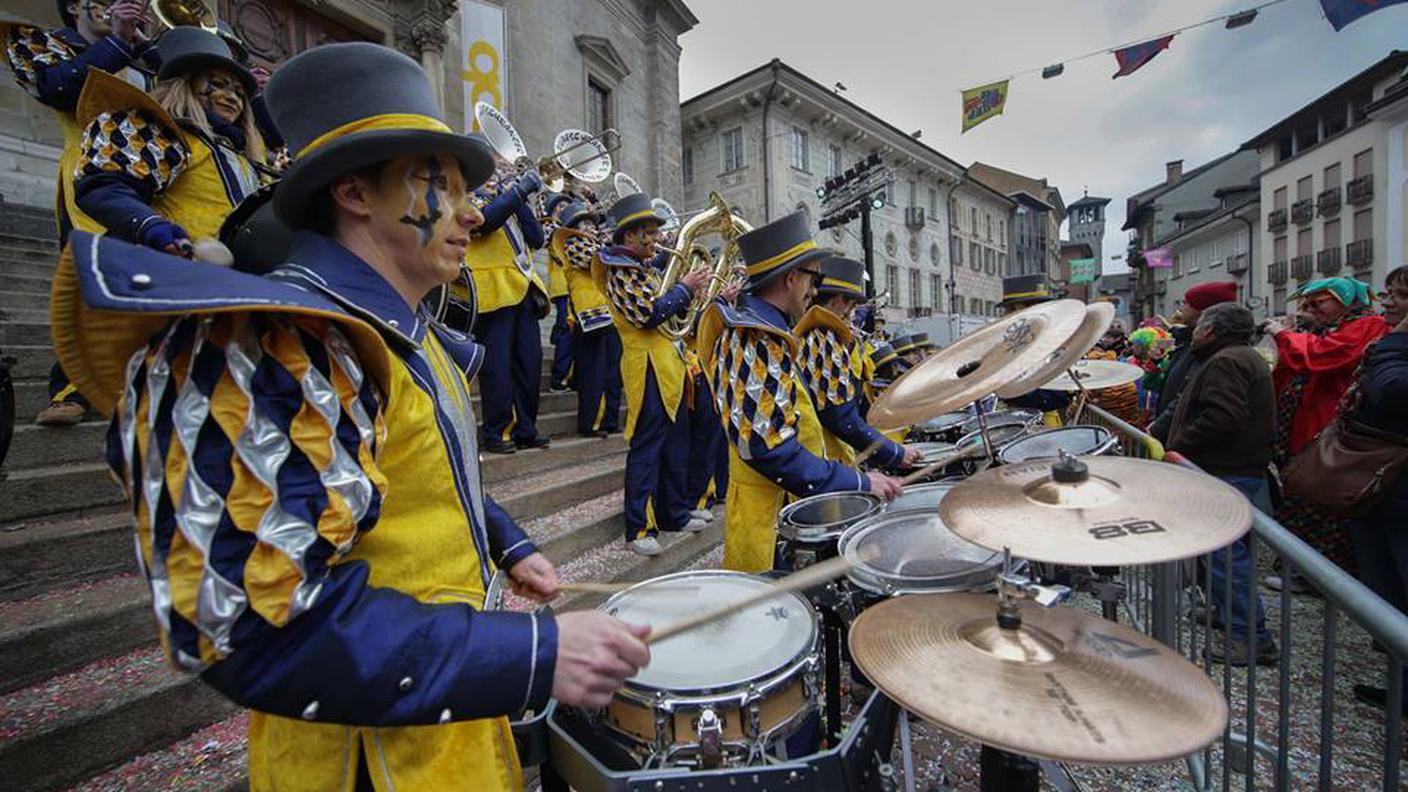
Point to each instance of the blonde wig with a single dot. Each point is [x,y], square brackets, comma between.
[178,97]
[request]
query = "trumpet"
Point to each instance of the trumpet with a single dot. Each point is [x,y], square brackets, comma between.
[726,268]
[580,154]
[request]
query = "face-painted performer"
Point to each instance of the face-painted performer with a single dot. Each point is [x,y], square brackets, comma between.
[326,561]
[51,65]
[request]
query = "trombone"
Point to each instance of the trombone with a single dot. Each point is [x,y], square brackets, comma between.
[576,153]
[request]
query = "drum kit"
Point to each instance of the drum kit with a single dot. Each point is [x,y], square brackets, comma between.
[941,601]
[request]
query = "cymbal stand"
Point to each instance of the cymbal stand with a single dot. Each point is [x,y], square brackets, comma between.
[983,432]
[1081,395]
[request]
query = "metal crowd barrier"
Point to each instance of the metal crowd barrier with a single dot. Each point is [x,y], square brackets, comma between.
[1253,754]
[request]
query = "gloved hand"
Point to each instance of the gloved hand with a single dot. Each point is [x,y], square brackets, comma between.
[529,183]
[167,237]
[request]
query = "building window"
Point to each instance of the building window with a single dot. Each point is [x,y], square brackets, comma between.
[598,106]
[732,149]
[934,254]
[892,283]
[1303,244]
[916,293]
[973,221]
[1278,249]
[1363,224]
[1332,234]
[687,164]
[958,252]
[1364,163]
[1278,199]
[934,203]
[989,308]
[1177,266]
[1002,233]
[1304,187]
[975,257]
[1332,176]
[913,193]
[1002,264]
[936,288]
[801,154]
[836,169]
[987,218]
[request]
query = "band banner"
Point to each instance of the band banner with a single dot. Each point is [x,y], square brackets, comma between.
[1083,270]
[483,71]
[983,102]
[1158,257]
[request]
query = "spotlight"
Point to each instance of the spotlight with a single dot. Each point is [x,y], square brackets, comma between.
[877,201]
[821,191]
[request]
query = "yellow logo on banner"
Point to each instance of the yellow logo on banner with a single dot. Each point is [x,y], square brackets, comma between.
[983,102]
[483,82]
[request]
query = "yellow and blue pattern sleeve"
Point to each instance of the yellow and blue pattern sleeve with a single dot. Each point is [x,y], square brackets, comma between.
[30,50]
[632,291]
[755,390]
[247,445]
[826,368]
[581,252]
[130,143]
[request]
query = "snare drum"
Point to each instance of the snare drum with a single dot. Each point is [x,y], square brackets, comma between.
[922,496]
[933,452]
[1027,419]
[810,527]
[998,436]
[724,693]
[1076,440]
[947,428]
[913,552]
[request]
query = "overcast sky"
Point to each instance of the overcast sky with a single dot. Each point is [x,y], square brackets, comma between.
[906,60]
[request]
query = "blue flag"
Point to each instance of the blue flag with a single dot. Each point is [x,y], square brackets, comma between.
[1131,58]
[1342,12]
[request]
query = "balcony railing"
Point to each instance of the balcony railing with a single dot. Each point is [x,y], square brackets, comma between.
[1276,219]
[1360,190]
[1359,253]
[1302,267]
[1302,211]
[1328,201]
[1327,261]
[1276,273]
[1237,263]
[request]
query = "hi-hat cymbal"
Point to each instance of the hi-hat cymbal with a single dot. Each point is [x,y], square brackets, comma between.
[1095,374]
[1098,318]
[995,354]
[1065,685]
[1125,511]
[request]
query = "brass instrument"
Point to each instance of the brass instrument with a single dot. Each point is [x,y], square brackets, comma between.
[725,269]
[582,155]
[179,13]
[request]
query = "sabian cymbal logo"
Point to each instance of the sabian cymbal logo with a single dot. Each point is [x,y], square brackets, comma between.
[1115,530]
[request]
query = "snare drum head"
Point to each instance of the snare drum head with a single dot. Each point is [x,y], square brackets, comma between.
[923,496]
[945,422]
[726,654]
[914,551]
[1001,418]
[931,452]
[999,436]
[1077,440]
[824,517]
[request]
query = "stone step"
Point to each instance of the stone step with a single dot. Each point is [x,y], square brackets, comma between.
[72,727]
[38,446]
[24,300]
[57,632]
[49,553]
[23,242]
[566,450]
[54,489]
[28,283]
[209,760]
[24,315]
[31,396]
[38,265]
[29,330]
[32,361]
[532,496]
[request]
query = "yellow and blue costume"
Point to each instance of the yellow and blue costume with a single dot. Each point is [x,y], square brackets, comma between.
[596,344]
[512,298]
[561,335]
[827,358]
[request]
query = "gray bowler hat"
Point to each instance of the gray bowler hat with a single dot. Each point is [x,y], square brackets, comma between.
[188,49]
[343,107]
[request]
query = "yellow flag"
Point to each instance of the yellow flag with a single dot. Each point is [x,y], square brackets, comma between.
[983,102]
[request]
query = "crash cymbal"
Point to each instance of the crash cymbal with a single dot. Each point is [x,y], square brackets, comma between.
[1065,685]
[1124,511]
[977,364]
[1098,317]
[1095,374]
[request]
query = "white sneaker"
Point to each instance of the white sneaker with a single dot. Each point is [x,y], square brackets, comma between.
[646,546]
[695,525]
[702,514]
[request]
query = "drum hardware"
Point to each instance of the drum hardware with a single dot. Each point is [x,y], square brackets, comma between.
[942,462]
[946,428]
[976,365]
[1097,511]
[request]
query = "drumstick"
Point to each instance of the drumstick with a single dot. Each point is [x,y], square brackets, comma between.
[940,463]
[811,576]
[869,452]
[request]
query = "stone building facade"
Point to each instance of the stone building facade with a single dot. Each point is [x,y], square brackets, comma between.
[980,220]
[1035,239]
[1085,222]
[558,56]
[769,138]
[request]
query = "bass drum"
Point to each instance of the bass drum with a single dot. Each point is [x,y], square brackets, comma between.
[259,240]
[1075,440]
[455,304]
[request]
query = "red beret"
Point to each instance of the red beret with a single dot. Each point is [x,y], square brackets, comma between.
[1205,295]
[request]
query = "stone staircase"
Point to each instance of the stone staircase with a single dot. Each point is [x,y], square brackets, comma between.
[87,700]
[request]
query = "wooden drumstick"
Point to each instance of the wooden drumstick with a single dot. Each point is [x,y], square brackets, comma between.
[811,576]
[941,463]
[869,452]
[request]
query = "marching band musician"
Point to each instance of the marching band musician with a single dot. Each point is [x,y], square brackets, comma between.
[561,335]
[706,477]
[596,344]
[51,65]
[165,170]
[827,358]
[653,370]
[512,298]
[776,443]
[300,451]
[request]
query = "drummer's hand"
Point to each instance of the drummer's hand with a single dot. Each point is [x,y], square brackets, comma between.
[596,654]
[912,456]
[534,578]
[887,487]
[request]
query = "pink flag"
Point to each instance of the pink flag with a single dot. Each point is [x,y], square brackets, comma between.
[1158,257]
[1132,57]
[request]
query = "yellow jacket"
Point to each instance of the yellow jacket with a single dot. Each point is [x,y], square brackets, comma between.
[500,256]
[577,250]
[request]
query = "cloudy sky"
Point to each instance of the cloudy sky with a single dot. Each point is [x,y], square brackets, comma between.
[906,60]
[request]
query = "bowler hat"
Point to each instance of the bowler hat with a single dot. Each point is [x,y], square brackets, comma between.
[629,211]
[574,213]
[1023,289]
[396,113]
[778,247]
[843,276]
[553,200]
[187,49]
[882,354]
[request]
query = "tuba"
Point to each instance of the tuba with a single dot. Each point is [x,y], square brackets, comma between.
[716,219]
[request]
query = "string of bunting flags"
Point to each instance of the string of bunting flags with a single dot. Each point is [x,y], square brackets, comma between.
[990,99]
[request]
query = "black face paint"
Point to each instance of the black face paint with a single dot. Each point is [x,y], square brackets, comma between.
[424,222]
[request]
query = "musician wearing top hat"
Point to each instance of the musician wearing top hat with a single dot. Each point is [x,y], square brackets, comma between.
[51,65]
[827,363]
[595,343]
[777,449]
[512,298]
[300,453]
[652,368]
[561,334]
